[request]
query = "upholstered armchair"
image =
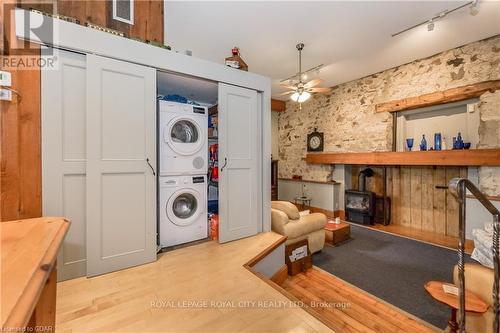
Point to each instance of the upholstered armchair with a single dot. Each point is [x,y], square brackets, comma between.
[479,280]
[287,221]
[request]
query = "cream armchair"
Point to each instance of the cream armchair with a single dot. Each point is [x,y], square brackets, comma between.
[287,221]
[479,280]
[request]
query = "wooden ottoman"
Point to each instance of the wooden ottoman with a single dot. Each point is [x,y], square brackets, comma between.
[337,233]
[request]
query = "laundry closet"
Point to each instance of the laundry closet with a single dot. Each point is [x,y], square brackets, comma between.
[102,145]
[188,181]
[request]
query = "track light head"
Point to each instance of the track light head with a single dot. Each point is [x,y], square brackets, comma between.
[473,9]
[430,25]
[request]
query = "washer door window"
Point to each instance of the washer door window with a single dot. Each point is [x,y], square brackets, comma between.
[184,136]
[183,207]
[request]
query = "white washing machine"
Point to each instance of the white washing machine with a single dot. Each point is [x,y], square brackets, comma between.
[183,139]
[183,209]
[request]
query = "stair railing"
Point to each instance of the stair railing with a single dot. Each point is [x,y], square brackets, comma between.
[458,187]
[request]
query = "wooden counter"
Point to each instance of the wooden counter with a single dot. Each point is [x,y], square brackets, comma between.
[28,287]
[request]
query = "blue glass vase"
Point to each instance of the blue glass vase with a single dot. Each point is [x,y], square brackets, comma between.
[437,141]
[460,141]
[423,143]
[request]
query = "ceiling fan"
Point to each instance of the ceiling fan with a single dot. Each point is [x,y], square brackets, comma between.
[300,91]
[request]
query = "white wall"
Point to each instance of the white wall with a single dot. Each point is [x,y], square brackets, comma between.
[325,196]
[446,119]
[271,263]
[274,135]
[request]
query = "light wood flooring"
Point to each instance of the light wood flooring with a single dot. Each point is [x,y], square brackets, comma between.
[176,294]
[346,308]
[131,300]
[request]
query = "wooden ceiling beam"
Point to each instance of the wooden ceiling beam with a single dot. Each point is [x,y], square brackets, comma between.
[277,105]
[439,97]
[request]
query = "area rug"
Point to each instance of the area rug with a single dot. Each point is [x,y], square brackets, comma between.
[392,268]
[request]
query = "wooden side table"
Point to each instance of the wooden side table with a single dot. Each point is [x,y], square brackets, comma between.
[304,200]
[337,233]
[472,302]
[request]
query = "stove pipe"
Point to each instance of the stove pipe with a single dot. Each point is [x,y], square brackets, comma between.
[368,172]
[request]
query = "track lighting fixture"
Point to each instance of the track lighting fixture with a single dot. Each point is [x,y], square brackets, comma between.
[473,10]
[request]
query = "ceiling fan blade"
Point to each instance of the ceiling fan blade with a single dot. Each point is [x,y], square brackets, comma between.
[285,93]
[312,83]
[319,90]
[288,87]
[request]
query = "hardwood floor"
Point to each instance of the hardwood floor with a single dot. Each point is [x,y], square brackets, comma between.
[153,297]
[345,308]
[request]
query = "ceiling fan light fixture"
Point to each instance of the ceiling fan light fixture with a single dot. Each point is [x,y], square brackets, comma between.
[300,97]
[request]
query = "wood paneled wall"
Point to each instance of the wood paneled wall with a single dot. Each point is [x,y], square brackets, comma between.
[20,181]
[417,203]
[20,165]
[415,200]
[148,16]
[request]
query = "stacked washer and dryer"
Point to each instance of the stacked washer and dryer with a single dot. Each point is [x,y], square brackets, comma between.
[183,173]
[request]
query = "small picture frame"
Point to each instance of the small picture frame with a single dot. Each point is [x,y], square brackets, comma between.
[123,11]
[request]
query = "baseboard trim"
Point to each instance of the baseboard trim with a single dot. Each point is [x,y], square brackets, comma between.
[280,276]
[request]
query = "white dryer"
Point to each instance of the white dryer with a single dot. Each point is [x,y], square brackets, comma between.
[183,209]
[183,139]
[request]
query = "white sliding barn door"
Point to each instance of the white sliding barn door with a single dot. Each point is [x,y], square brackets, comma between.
[64,156]
[238,163]
[121,187]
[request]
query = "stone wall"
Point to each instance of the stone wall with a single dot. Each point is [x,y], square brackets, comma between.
[348,119]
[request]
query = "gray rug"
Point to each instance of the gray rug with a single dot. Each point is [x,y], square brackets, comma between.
[392,268]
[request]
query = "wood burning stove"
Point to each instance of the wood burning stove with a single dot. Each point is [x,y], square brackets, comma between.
[360,204]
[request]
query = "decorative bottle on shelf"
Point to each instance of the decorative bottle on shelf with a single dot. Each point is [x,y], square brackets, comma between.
[423,143]
[437,141]
[460,141]
[443,144]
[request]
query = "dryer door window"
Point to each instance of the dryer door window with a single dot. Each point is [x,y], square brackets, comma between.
[184,131]
[184,136]
[183,207]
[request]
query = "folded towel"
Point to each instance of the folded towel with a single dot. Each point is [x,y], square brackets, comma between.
[483,243]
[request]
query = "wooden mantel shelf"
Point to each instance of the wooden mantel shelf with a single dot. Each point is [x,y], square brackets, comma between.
[472,157]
